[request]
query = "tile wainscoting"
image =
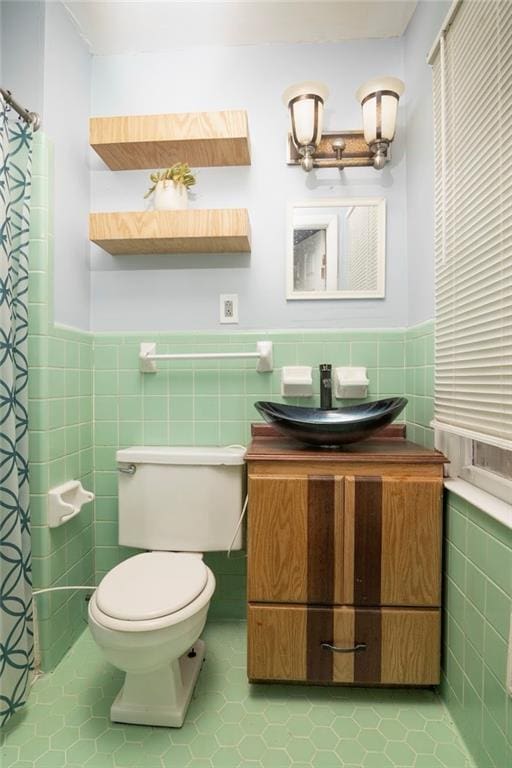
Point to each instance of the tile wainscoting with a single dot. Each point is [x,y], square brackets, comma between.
[209,402]
[478,608]
[478,589]
[419,382]
[60,434]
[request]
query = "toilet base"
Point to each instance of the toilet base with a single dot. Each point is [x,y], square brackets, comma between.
[161,697]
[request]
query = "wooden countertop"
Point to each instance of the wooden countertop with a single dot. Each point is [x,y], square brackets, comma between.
[389,447]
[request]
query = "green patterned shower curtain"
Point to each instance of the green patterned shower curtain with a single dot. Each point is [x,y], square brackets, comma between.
[16,637]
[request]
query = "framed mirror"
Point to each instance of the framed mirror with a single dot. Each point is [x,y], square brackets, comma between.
[337,249]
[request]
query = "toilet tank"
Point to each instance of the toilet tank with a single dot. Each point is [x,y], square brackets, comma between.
[181,499]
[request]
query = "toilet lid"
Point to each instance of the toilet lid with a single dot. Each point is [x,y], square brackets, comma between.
[151,585]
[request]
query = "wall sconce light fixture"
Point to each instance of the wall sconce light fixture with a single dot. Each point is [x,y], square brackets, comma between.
[311,148]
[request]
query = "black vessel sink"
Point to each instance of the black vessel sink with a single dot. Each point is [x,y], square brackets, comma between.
[337,426]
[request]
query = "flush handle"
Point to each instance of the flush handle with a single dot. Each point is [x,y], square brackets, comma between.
[336,649]
[129,470]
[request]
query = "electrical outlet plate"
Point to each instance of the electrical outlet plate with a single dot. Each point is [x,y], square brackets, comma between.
[228,308]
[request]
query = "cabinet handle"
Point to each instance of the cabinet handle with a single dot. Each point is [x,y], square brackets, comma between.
[336,649]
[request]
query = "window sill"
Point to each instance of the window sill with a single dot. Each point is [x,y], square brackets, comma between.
[496,508]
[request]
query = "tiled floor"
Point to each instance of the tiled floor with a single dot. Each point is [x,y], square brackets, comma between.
[229,723]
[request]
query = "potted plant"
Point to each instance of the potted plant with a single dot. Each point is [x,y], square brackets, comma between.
[171,186]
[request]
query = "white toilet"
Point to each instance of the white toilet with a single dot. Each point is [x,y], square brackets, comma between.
[148,612]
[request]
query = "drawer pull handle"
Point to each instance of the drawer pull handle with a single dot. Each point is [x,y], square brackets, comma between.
[129,470]
[336,649]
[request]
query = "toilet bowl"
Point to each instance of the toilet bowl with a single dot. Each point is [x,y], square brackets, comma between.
[146,617]
[148,612]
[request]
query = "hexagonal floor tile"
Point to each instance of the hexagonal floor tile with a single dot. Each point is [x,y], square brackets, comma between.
[203,747]
[230,724]
[324,738]
[253,724]
[276,713]
[372,740]
[366,717]
[392,729]
[49,725]
[209,722]
[276,735]
[300,725]
[322,715]
[252,747]
[232,713]
[229,735]
[274,758]
[178,754]
[300,750]
[400,753]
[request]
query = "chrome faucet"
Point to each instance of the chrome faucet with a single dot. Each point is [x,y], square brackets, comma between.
[325,387]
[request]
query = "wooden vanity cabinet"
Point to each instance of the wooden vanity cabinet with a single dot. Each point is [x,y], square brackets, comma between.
[344,563]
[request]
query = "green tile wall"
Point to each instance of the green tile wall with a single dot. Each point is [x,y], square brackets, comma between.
[419,382]
[207,403]
[478,589]
[60,439]
[477,608]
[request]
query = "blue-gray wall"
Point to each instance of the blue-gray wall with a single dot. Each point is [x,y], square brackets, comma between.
[420,35]
[22,51]
[67,86]
[182,292]
[46,64]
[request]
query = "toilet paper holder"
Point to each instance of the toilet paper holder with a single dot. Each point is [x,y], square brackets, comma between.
[65,502]
[296,381]
[350,382]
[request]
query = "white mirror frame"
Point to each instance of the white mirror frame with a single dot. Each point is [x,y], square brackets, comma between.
[345,202]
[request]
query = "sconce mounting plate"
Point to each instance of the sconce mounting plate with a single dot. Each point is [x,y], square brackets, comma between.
[357,153]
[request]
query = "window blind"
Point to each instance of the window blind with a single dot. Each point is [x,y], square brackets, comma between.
[472,88]
[363,257]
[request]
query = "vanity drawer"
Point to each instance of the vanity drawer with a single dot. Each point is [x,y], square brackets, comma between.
[383,646]
[353,540]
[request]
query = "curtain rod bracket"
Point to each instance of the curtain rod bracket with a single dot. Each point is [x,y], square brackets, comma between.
[32,118]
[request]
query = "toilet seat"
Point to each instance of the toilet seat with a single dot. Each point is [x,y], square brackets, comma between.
[162,622]
[151,585]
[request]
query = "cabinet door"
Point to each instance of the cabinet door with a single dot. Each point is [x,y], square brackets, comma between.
[295,539]
[393,541]
[379,646]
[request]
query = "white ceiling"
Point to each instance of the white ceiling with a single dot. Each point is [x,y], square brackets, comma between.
[136,26]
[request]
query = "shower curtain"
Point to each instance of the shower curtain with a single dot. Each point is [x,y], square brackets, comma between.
[16,637]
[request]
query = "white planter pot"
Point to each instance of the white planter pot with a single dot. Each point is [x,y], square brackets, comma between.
[170,196]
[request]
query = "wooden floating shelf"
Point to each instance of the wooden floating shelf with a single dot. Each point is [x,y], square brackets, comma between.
[214,230]
[200,139]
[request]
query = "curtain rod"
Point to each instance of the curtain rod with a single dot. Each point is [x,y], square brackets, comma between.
[29,117]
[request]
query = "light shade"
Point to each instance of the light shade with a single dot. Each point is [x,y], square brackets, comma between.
[305,102]
[379,101]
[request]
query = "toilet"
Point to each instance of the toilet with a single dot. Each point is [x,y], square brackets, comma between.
[148,612]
